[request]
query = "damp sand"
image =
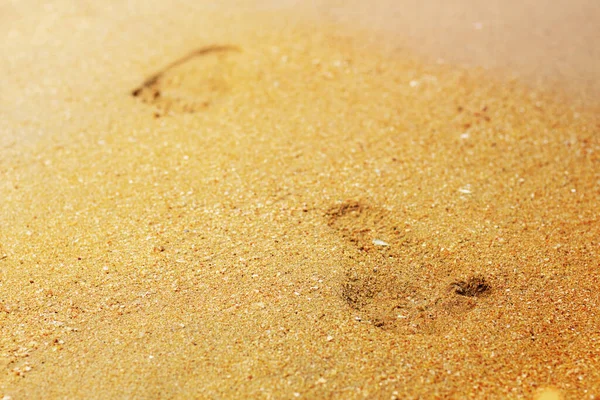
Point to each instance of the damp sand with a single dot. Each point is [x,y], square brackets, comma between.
[304,213]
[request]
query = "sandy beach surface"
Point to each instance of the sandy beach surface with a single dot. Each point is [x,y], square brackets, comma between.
[282,200]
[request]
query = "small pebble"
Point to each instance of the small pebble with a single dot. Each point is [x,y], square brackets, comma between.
[378,242]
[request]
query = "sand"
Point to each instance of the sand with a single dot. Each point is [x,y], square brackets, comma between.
[294,209]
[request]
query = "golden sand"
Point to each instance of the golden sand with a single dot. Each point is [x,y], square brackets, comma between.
[288,212]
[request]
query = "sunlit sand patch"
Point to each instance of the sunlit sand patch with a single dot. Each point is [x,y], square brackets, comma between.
[207,253]
[548,394]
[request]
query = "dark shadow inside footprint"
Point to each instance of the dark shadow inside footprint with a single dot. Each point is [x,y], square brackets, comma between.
[474,286]
[190,83]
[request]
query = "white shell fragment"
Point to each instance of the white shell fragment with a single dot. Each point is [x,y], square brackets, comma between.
[378,242]
[465,189]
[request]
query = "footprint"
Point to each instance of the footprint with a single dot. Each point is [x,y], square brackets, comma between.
[192,83]
[392,281]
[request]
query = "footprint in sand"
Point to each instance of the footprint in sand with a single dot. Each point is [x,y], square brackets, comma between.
[192,83]
[391,281]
